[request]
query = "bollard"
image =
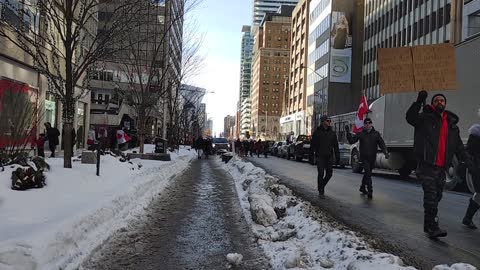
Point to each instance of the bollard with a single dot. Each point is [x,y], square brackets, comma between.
[98,158]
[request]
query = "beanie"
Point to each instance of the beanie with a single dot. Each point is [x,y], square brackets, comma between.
[438,95]
[324,118]
[367,120]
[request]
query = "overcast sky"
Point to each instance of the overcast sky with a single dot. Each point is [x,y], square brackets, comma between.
[222,22]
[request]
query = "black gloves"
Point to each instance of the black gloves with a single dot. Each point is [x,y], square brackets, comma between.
[347,129]
[422,96]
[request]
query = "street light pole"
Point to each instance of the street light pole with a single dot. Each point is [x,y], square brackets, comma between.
[315,94]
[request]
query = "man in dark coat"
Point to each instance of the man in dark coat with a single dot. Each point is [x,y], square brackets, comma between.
[436,140]
[370,140]
[199,145]
[473,149]
[325,146]
[52,135]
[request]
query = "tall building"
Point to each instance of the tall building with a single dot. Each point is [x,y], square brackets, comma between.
[262,7]
[334,57]
[245,75]
[228,124]
[471,19]
[271,57]
[294,119]
[245,117]
[402,23]
[209,128]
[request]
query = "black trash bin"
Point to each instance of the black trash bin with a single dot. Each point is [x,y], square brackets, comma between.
[160,146]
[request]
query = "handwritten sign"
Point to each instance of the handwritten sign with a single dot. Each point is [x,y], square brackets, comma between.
[434,67]
[412,69]
[395,70]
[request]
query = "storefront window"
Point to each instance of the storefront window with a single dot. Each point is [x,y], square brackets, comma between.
[50,109]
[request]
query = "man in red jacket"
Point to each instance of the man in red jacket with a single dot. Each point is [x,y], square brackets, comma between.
[437,139]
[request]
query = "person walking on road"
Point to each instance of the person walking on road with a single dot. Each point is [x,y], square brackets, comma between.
[473,149]
[370,140]
[325,146]
[436,140]
[207,147]
[258,147]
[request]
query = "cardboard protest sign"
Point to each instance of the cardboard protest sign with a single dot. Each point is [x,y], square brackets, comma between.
[412,69]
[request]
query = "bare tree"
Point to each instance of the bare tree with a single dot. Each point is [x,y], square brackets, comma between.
[151,67]
[192,64]
[64,43]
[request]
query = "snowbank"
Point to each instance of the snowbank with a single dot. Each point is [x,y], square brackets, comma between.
[56,227]
[301,237]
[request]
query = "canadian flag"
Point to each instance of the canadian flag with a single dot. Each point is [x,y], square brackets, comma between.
[362,111]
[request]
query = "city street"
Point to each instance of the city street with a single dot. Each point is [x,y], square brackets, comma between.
[394,218]
[194,224]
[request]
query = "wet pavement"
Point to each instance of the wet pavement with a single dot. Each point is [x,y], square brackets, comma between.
[194,224]
[394,218]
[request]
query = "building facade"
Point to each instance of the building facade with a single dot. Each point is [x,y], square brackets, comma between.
[245,117]
[402,23]
[334,57]
[262,7]
[271,58]
[471,19]
[245,77]
[228,125]
[295,120]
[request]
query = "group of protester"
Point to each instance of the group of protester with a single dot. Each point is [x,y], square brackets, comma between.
[203,147]
[436,141]
[250,147]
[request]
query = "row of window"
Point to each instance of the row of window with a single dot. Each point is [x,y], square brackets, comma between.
[370,79]
[425,25]
[318,10]
[319,30]
[318,75]
[319,52]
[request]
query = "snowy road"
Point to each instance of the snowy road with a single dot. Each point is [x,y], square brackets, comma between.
[394,216]
[193,225]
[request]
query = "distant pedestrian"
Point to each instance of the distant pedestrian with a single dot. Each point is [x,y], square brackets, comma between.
[199,145]
[473,148]
[207,147]
[252,145]
[52,136]
[265,148]
[436,140]
[258,147]
[40,143]
[325,147]
[238,145]
[370,140]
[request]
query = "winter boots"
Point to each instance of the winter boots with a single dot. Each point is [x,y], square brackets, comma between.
[363,190]
[432,229]
[471,210]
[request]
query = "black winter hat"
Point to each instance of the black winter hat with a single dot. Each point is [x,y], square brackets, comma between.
[438,95]
[367,120]
[324,118]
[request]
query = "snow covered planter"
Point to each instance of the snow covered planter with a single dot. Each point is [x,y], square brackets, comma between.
[294,234]
[29,174]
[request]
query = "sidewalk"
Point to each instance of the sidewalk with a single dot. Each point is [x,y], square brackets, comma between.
[55,227]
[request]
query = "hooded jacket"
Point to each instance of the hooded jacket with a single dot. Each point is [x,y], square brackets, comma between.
[325,143]
[369,143]
[427,126]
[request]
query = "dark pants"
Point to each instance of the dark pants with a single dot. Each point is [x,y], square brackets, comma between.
[433,181]
[325,171]
[368,164]
[41,152]
[52,149]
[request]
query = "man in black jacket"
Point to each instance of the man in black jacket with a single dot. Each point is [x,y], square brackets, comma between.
[325,146]
[436,140]
[370,140]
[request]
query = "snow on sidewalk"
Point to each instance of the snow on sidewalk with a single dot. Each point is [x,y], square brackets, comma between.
[58,226]
[294,235]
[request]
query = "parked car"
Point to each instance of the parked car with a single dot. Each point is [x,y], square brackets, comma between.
[282,150]
[344,150]
[275,148]
[301,148]
[220,143]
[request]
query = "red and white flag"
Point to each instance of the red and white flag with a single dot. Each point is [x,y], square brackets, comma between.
[362,111]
